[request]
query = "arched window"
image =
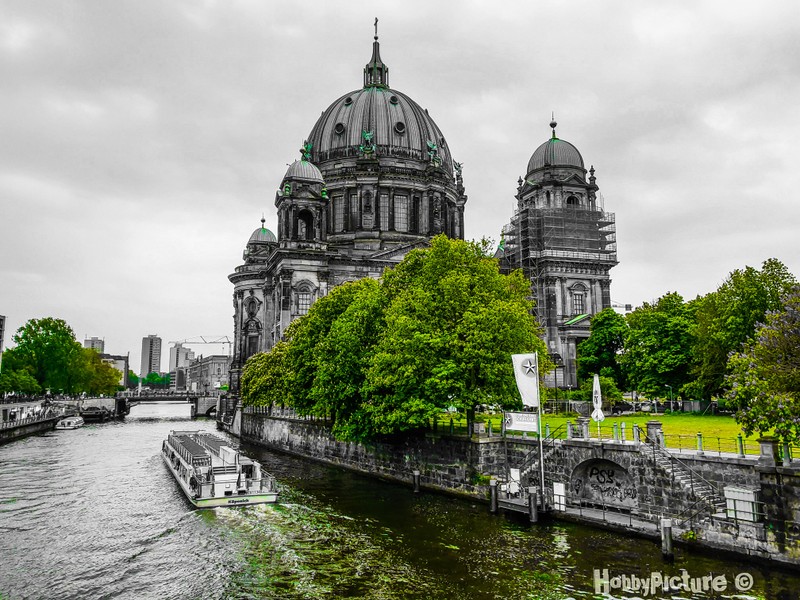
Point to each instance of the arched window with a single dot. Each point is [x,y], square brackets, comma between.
[252,337]
[578,303]
[305,225]
[304,297]
[578,293]
[572,201]
[547,197]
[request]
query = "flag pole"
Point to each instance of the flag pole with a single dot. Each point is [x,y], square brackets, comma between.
[541,452]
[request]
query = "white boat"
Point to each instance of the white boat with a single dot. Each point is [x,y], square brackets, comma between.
[70,422]
[211,473]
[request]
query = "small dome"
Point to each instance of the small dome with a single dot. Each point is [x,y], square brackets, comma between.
[304,171]
[555,153]
[262,234]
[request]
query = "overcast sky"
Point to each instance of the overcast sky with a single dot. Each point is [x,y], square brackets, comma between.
[141,141]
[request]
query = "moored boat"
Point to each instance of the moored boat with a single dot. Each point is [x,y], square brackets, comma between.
[70,422]
[211,473]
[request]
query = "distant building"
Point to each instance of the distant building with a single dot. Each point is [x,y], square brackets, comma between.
[120,363]
[180,356]
[95,343]
[151,355]
[206,375]
[179,360]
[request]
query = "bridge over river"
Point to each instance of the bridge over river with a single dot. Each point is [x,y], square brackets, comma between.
[202,405]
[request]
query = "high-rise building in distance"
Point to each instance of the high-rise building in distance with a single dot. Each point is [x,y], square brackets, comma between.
[95,343]
[151,355]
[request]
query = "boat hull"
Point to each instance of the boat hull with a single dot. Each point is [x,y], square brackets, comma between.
[213,502]
[70,423]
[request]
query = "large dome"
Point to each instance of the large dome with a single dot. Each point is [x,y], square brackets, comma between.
[401,128]
[555,153]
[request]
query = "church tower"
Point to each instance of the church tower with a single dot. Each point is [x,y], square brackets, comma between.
[565,243]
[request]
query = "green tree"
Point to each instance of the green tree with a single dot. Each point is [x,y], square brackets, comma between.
[156,380]
[765,377]
[133,379]
[659,345]
[600,352]
[20,381]
[100,377]
[452,322]
[382,357]
[266,378]
[728,317]
[47,350]
[305,336]
[341,358]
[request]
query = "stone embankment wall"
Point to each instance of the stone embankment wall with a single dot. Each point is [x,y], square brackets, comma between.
[444,463]
[10,433]
[619,476]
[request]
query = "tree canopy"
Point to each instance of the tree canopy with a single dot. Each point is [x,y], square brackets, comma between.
[765,377]
[47,356]
[382,357]
[729,316]
[600,352]
[657,355]
[682,348]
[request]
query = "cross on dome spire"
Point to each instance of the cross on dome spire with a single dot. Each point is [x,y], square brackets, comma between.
[376,73]
[553,123]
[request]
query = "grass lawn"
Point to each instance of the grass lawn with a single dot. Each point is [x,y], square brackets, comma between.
[680,430]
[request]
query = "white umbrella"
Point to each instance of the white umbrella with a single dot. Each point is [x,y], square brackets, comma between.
[597,402]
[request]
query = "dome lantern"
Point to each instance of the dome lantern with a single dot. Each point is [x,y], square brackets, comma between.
[376,73]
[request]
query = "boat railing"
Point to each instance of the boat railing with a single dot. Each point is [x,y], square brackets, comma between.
[268,483]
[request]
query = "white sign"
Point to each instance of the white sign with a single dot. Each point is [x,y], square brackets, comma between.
[526,370]
[597,400]
[522,422]
[559,496]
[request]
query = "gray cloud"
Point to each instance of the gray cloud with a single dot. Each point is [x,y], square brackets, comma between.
[143,140]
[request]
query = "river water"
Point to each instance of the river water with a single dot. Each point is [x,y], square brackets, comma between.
[93,513]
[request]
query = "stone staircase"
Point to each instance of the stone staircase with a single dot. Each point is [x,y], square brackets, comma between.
[530,465]
[691,482]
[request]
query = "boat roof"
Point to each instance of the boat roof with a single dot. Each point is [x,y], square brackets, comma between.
[191,446]
[212,441]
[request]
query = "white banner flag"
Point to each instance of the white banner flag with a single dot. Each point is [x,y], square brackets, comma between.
[597,400]
[522,421]
[526,370]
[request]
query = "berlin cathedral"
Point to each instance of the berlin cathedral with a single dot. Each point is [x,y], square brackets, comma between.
[376,179]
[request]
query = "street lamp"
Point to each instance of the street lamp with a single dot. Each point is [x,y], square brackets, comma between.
[670,396]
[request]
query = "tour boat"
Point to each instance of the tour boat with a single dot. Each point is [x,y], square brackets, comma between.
[211,473]
[70,423]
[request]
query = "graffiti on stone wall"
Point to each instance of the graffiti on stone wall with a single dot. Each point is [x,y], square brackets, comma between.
[604,482]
